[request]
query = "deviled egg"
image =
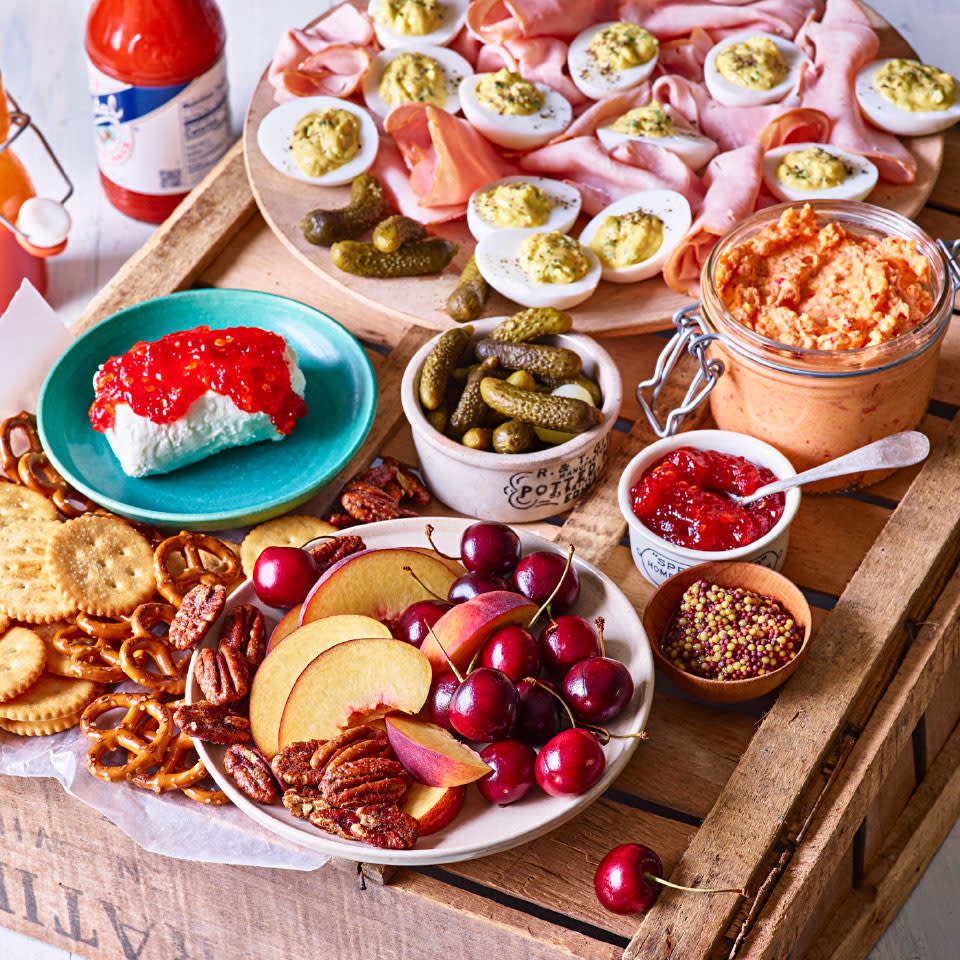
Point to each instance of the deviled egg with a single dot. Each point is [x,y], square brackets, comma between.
[613,56]
[414,74]
[747,69]
[322,140]
[537,269]
[907,97]
[633,236]
[513,112]
[399,22]
[817,171]
[658,125]
[523,203]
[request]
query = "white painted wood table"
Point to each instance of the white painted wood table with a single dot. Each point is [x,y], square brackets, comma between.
[42,61]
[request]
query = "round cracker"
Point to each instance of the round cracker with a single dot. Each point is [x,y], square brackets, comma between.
[27,591]
[41,728]
[103,564]
[50,698]
[22,658]
[21,503]
[293,530]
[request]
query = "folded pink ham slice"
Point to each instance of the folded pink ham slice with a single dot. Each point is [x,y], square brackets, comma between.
[677,18]
[603,177]
[842,44]
[330,58]
[496,21]
[604,111]
[446,157]
[685,56]
[733,181]
[537,59]
[392,172]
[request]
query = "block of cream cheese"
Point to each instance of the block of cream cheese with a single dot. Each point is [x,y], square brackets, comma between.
[173,401]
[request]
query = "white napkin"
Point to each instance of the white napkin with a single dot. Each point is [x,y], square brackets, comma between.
[170,824]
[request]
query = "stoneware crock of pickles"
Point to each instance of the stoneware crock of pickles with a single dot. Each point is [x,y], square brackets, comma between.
[513,487]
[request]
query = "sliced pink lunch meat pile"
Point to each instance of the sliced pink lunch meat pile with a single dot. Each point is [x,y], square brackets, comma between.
[537,59]
[602,112]
[496,21]
[677,18]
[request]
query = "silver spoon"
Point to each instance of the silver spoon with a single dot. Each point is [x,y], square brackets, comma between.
[899,450]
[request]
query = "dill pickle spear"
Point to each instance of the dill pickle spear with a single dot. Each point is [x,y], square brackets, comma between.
[440,361]
[536,358]
[513,436]
[411,260]
[470,409]
[532,323]
[467,300]
[367,205]
[391,234]
[565,414]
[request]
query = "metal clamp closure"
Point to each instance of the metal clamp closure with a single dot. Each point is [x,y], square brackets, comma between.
[692,334]
[951,253]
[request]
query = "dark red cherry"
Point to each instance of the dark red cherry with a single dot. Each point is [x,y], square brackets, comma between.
[537,574]
[538,713]
[512,650]
[597,689]
[438,699]
[569,763]
[471,584]
[414,621]
[484,706]
[626,880]
[489,547]
[283,576]
[512,775]
[567,640]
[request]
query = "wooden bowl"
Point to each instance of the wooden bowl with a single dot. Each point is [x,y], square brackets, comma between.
[726,573]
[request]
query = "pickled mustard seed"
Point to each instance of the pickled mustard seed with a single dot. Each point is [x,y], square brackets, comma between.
[723,633]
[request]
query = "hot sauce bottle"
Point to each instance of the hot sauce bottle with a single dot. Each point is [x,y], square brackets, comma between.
[159,87]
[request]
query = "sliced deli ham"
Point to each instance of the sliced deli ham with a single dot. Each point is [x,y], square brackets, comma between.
[497,21]
[537,59]
[606,110]
[842,44]
[446,157]
[677,18]
[733,182]
[602,178]
[686,56]
[392,172]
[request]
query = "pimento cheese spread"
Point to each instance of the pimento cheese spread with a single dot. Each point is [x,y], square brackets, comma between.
[805,284]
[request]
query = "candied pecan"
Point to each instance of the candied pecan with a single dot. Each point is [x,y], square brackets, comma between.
[380,476]
[223,675]
[252,773]
[212,722]
[411,485]
[335,820]
[360,783]
[329,552]
[341,520]
[352,744]
[385,825]
[292,764]
[200,607]
[243,631]
[369,504]
[301,801]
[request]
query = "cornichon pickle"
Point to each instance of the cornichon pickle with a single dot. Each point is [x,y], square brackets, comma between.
[467,300]
[440,361]
[367,205]
[532,323]
[477,438]
[391,234]
[536,358]
[523,379]
[589,385]
[543,409]
[411,260]
[438,418]
[470,409]
[513,436]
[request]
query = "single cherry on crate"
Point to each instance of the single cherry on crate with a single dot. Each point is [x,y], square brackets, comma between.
[629,879]
[470,584]
[413,624]
[539,574]
[538,713]
[484,706]
[512,650]
[512,773]
[283,576]
[567,640]
[598,687]
[489,547]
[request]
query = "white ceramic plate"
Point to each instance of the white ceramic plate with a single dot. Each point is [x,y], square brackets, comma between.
[480,829]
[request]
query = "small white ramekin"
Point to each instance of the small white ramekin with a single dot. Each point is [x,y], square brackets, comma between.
[656,558]
[514,488]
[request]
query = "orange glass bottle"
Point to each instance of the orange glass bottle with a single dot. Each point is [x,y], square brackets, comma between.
[15,187]
[159,87]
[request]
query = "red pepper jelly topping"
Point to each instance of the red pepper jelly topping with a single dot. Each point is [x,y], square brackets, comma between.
[161,379]
[686,499]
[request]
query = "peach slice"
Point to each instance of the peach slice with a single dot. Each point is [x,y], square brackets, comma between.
[433,807]
[432,754]
[354,682]
[464,628]
[374,583]
[288,623]
[284,663]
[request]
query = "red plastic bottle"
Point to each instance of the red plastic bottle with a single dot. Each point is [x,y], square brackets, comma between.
[159,86]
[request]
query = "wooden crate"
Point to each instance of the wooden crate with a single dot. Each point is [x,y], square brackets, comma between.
[827,801]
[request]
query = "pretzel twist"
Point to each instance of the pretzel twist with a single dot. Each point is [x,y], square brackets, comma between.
[169,676]
[144,742]
[174,586]
[24,425]
[173,771]
[91,658]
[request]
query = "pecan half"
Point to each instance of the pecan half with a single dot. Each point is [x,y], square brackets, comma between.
[244,632]
[251,773]
[301,801]
[212,722]
[200,607]
[361,783]
[368,503]
[352,744]
[411,485]
[223,675]
[341,520]
[381,475]
[292,764]
[385,826]
[328,552]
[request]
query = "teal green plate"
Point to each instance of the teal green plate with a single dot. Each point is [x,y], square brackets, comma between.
[239,486]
